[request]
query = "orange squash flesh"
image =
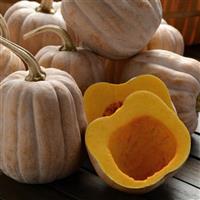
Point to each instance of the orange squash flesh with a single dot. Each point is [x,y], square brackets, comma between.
[103,99]
[151,152]
[135,150]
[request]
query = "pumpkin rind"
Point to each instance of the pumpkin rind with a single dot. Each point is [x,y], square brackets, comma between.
[9,62]
[106,94]
[168,38]
[22,17]
[114,29]
[84,66]
[99,132]
[41,122]
[180,74]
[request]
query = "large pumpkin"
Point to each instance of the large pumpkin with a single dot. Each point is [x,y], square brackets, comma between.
[113,28]
[25,16]
[84,66]
[9,62]
[180,74]
[41,123]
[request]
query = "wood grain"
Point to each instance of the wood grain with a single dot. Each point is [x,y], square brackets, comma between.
[190,172]
[11,190]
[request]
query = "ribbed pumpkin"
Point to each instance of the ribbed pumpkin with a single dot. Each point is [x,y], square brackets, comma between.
[168,38]
[113,28]
[180,74]
[9,62]
[41,122]
[84,66]
[25,16]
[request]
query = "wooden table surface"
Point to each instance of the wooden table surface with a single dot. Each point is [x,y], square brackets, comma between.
[86,185]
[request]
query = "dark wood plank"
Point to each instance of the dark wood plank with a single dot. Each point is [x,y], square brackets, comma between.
[195,149]
[86,186]
[174,189]
[190,172]
[11,190]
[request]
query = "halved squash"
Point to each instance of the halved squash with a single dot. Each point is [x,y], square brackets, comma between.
[103,98]
[140,145]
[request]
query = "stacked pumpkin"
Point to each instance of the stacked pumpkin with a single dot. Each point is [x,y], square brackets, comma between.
[45,106]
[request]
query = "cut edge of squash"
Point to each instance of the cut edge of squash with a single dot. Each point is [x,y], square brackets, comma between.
[100,96]
[100,130]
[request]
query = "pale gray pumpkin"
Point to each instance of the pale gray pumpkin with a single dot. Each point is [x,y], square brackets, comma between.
[84,66]
[9,62]
[180,74]
[25,16]
[41,123]
[113,28]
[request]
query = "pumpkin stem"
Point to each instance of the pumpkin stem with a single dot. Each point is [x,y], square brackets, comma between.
[198,103]
[4,32]
[35,72]
[46,6]
[62,33]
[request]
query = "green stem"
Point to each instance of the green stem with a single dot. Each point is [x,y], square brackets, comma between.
[35,72]
[65,37]
[4,32]
[198,103]
[46,6]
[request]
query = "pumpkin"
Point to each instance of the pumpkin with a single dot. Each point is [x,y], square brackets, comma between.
[180,74]
[140,145]
[113,29]
[168,38]
[41,122]
[109,97]
[25,16]
[84,66]
[9,62]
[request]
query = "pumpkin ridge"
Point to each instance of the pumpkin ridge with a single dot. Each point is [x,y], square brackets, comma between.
[146,68]
[18,135]
[4,28]
[61,121]
[23,26]
[75,96]
[88,19]
[7,61]
[66,132]
[36,139]
[2,149]
[20,30]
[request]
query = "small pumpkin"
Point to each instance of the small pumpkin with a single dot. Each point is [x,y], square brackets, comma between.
[180,74]
[41,122]
[9,62]
[168,38]
[138,147]
[25,16]
[109,97]
[113,29]
[84,66]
